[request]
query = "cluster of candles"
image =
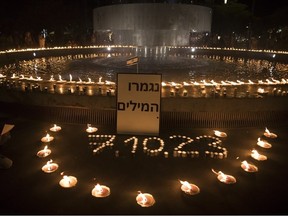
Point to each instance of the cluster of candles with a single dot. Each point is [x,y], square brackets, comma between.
[153,152]
[215,150]
[50,166]
[248,167]
[135,143]
[105,141]
[146,199]
[67,181]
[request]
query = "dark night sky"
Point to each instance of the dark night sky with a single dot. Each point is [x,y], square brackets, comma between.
[265,7]
[31,14]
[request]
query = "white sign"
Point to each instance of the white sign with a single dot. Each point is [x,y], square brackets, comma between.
[138,103]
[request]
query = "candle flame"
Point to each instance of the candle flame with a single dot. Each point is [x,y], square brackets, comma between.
[49,162]
[217,133]
[143,198]
[255,153]
[67,179]
[48,137]
[267,131]
[186,184]
[245,163]
[224,176]
[98,188]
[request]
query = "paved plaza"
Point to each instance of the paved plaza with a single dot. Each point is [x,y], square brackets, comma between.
[26,189]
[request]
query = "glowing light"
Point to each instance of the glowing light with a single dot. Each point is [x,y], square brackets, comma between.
[268,134]
[50,167]
[188,188]
[248,167]
[263,144]
[227,179]
[145,199]
[44,152]
[47,138]
[219,133]
[55,128]
[257,156]
[68,181]
[100,191]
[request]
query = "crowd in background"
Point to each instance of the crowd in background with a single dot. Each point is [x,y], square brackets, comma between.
[273,40]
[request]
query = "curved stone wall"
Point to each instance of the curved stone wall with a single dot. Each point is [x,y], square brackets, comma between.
[177,111]
[150,24]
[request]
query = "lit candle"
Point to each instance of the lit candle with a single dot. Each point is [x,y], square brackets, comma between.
[91,129]
[55,128]
[166,154]
[188,188]
[47,138]
[44,152]
[50,167]
[268,134]
[263,144]
[100,191]
[68,181]
[219,133]
[227,179]
[248,167]
[258,156]
[145,199]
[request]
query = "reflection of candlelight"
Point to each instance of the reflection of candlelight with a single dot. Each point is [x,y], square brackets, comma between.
[100,191]
[145,199]
[68,181]
[55,128]
[263,144]
[267,133]
[227,179]
[188,188]
[258,156]
[91,129]
[47,138]
[248,167]
[219,133]
[50,167]
[44,152]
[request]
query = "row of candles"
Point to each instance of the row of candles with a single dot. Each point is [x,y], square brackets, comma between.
[202,83]
[60,80]
[146,199]
[109,47]
[68,181]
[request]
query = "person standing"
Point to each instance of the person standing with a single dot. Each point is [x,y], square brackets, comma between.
[41,41]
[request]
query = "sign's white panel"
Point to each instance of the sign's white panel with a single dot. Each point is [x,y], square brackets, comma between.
[138,103]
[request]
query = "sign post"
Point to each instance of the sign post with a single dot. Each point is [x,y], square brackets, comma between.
[138,103]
